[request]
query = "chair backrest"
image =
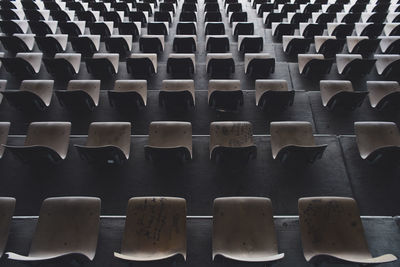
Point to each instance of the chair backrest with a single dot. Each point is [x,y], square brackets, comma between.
[231,134]
[110,134]
[7,206]
[67,225]
[243,227]
[155,227]
[54,135]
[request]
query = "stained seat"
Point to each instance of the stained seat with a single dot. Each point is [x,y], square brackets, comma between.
[67,228]
[244,230]
[44,142]
[107,142]
[169,141]
[293,142]
[164,241]
[232,141]
[336,221]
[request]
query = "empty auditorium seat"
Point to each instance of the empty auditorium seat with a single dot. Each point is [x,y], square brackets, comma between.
[244,230]
[295,44]
[181,65]
[340,30]
[103,64]
[336,221]
[336,94]
[186,28]
[12,14]
[177,94]
[384,95]
[144,239]
[250,43]
[102,28]
[7,206]
[220,65]
[139,16]
[211,7]
[280,29]
[52,44]
[353,65]
[169,141]
[293,142]
[392,29]
[242,28]
[114,16]
[61,15]
[107,142]
[87,44]
[130,28]
[23,65]
[323,18]
[142,65]
[329,46]
[78,7]
[273,95]
[188,17]
[64,65]
[41,28]
[80,95]
[88,15]
[32,95]
[128,94]
[270,17]
[44,142]
[167,7]
[217,43]
[238,17]
[67,227]
[10,27]
[314,65]
[151,43]
[163,16]
[214,28]
[231,141]
[184,44]
[372,30]
[388,66]
[4,130]
[390,44]
[121,44]
[72,28]
[309,30]
[362,45]
[157,28]
[18,42]
[122,6]
[189,7]
[225,95]
[211,16]
[36,15]
[259,65]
